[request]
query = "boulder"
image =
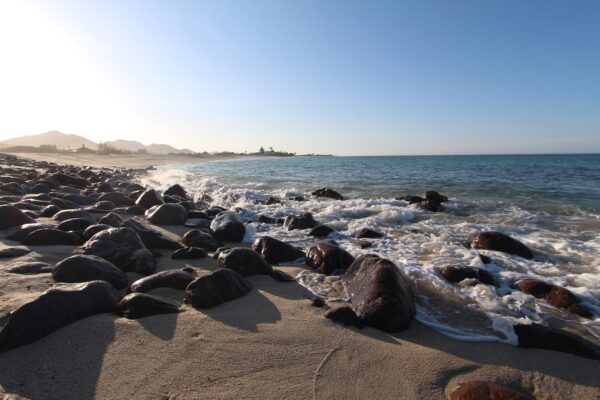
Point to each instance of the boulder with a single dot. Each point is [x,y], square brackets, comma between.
[434,196]
[328,193]
[49,211]
[244,261]
[173,278]
[321,231]
[105,187]
[542,337]
[111,219]
[11,216]
[105,205]
[117,198]
[140,305]
[456,274]
[281,276]
[499,242]
[93,229]
[189,253]
[55,309]
[30,268]
[199,238]
[197,223]
[69,180]
[228,227]
[149,199]
[366,233]
[480,390]
[216,288]
[85,268]
[380,294]
[556,295]
[12,252]
[344,315]
[431,205]
[151,238]
[327,257]
[410,199]
[176,190]
[70,214]
[74,224]
[303,221]
[275,251]
[51,237]
[19,233]
[167,214]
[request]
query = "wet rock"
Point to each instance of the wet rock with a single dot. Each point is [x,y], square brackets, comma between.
[176,190]
[328,193]
[318,302]
[111,219]
[244,261]
[275,251]
[411,199]
[456,274]
[189,253]
[149,199]
[220,250]
[479,390]
[344,315]
[228,227]
[174,278]
[432,195]
[105,205]
[117,198]
[197,223]
[93,229]
[366,233]
[321,231]
[84,268]
[327,257]
[54,309]
[541,337]
[30,268]
[74,224]
[499,242]
[216,288]
[140,305]
[380,294]
[51,237]
[485,259]
[265,219]
[11,216]
[431,205]
[49,211]
[19,233]
[281,276]
[151,238]
[363,244]
[135,210]
[198,238]
[12,252]
[70,214]
[303,221]
[197,214]
[167,214]
[556,295]
[298,198]
[124,248]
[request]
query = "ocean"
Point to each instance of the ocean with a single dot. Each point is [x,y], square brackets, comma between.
[549,202]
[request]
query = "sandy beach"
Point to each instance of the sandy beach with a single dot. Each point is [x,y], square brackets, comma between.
[270,344]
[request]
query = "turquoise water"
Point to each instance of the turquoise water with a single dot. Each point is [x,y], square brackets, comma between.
[549,202]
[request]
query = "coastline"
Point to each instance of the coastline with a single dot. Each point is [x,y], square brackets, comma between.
[271,343]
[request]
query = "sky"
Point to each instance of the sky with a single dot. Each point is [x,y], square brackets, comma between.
[339,77]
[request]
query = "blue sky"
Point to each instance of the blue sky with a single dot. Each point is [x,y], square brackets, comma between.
[342,77]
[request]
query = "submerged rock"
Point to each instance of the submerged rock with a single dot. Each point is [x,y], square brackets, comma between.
[140,305]
[328,193]
[216,288]
[302,221]
[85,268]
[499,242]
[326,257]
[228,227]
[432,195]
[367,233]
[174,278]
[244,261]
[275,251]
[321,231]
[456,274]
[556,295]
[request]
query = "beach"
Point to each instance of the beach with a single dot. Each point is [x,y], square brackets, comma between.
[272,343]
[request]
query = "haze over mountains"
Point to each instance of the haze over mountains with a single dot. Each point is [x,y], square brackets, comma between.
[65,141]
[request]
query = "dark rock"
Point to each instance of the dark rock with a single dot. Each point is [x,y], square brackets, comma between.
[431,205]
[281,276]
[140,305]
[220,250]
[432,195]
[321,231]
[411,199]
[84,268]
[74,224]
[11,216]
[151,238]
[167,214]
[79,200]
[30,268]
[189,253]
[499,242]
[176,190]
[93,229]
[55,309]
[327,257]
[264,219]
[24,230]
[51,237]
[244,261]
[197,223]
[40,188]
[364,244]
[298,198]
[135,210]
[25,206]
[479,390]
[556,295]
[329,193]
[197,214]
[275,251]
[198,238]
[12,188]
[380,294]
[459,273]
[149,199]
[216,288]
[105,187]
[124,248]
[541,337]
[318,302]
[70,214]
[12,252]
[174,278]
[485,259]
[303,221]
[117,198]
[366,233]
[64,204]
[111,219]
[105,205]
[69,180]
[49,211]
[213,211]
[228,227]
[344,315]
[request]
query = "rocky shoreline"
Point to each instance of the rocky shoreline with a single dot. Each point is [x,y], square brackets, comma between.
[112,231]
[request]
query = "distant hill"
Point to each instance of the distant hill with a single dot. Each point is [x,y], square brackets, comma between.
[61,140]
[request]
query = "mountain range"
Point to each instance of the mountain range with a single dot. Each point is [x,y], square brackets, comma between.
[65,141]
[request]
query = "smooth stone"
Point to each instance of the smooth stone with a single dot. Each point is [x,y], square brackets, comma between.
[499,242]
[30,268]
[111,219]
[173,278]
[24,230]
[176,190]
[197,223]
[198,238]
[49,211]
[51,237]
[556,295]
[69,180]
[321,231]
[12,252]
[302,221]
[541,337]
[228,227]
[344,315]
[117,198]
[149,199]
[11,216]
[151,238]
[105,205]
[140,305]
[70,214]
[85,268]
[216,288]
[366,233]
[328,193]
[93,229]
[275,251]
[189,253]
[74,224]
[327,257]
[456,274]
[265,219]
[244,261]
[167,214]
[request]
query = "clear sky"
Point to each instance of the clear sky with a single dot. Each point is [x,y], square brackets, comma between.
[341,77]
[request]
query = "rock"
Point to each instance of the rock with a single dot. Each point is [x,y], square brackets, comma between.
[140,305]
[430,205]
[499,242]
[124,248]
[197,223]
[11,216]
[70,214]
[189,253]
[167,214]
[555,295]
[228,227]
[51,237]
[105,187]
[244,261]
[111,219]
[117,198]
[318,302]
[64,204]
[149,199]
[24,230]
[176,190]
[30,268]
[151,238]
[49,211]
[74,224]
[80,200]
[485,259]
[12,252]
[93,229]
[264,219]
[198,238]
[105,205]
[281,276]
[366,233]
[456,274]
[216,288]
[344,315]
[173,278]
[275,251]
[303,221]
[380,294]
[411,199]
[54,309]
[479,390]
[432,195]
[84,268]
[135,210]
[327,257]
[321,231]
[539,336]
[197,214]
[69,180]
[329,193]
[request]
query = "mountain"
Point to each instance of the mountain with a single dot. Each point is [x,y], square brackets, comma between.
[58,139]
[129,145]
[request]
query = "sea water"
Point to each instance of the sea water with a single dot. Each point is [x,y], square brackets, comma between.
[549,202]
